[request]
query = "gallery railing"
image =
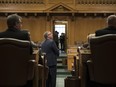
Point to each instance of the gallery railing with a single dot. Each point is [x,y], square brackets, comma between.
[22,1]
[75,1]
[96,2]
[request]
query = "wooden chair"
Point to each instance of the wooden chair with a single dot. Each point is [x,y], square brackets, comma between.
[42,71]
[16,65]
[101,67]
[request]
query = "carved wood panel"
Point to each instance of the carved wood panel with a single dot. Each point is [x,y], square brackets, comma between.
[63,1]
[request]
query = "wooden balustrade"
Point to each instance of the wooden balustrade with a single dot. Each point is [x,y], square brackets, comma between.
[42,1]
[96,1]
[21,1]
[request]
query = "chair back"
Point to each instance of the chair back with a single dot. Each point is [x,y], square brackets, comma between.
[14,59]
[103,52]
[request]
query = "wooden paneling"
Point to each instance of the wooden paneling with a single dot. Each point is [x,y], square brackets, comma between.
[3,24]
[36,26]
[87,25]
[71,32]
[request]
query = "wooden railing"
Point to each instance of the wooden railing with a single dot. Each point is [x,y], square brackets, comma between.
[96,2]
[21,1]
[43,1]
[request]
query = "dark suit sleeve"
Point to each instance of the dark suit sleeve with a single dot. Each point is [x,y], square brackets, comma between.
[55,49]
[98,33]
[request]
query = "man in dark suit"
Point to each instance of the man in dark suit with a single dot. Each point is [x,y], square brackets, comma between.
[49,47]
[62,41]
[14,23]
[110,29]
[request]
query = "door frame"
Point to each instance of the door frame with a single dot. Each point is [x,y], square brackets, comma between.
[61,22]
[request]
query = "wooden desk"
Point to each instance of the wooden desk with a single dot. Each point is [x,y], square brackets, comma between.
[36,58]
[84,55]
[71,52]
[70,61]
[36,55]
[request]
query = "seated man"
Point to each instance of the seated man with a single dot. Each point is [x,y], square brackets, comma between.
[110,29]
[14,24]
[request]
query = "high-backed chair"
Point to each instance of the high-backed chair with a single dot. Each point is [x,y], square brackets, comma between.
[16,67]
[102,66]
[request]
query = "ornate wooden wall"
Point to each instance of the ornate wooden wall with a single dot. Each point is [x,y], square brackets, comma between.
[83,16]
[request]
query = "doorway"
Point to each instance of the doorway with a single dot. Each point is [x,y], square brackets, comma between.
[61,28]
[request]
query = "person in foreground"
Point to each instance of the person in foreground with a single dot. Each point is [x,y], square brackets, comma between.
[49,47]
[110,29]
[14,23]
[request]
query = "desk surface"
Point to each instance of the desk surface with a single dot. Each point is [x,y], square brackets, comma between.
[85,51]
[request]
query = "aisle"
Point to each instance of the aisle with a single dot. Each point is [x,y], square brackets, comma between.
[60,80]
[62,71]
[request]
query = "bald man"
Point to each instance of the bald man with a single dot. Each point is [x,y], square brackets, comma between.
[111,27]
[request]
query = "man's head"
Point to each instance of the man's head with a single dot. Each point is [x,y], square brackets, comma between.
[111,20]
[14,21]
[48,35]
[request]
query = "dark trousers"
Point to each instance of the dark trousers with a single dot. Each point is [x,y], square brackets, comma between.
[62,46]
[51,81]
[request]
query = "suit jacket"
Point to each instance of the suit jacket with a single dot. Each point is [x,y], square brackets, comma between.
[17,34]
[107,30]
[51,50]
